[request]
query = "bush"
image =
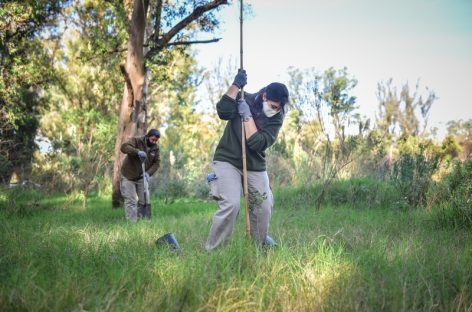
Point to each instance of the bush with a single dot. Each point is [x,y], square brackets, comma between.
[172,189]
[412,177]
[201,189]
[453,197]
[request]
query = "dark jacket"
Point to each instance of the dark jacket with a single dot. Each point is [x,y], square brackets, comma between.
[229,148]
[131,167]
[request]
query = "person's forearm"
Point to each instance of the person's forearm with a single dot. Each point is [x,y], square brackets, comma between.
[249,128]
[232,92]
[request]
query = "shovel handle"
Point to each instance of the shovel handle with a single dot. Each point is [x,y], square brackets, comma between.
[145,183]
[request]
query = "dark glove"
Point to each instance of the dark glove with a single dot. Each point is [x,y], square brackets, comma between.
[244,110]
[142,155]
[241,79]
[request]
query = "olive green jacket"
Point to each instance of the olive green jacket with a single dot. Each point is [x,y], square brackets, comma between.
[229,148]
[131,168]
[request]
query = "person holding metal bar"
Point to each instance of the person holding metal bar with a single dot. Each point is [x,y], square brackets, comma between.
[262,115]
[141,162]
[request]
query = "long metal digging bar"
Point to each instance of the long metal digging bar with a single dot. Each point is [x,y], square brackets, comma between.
[243,133]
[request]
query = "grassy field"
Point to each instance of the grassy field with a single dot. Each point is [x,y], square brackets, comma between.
[68,254]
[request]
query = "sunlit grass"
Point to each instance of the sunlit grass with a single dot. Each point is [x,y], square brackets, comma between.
[76,256]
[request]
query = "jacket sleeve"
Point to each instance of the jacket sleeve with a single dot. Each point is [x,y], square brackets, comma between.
[227,108]
[130,147]
[156,163]
[264,138]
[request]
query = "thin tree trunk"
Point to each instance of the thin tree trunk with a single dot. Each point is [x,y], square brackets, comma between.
[129,124]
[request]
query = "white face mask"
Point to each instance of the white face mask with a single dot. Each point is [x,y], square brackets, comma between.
[268,111]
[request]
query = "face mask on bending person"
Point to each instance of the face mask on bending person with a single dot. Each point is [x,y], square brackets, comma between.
[268,111]
[274,98]
[270,108]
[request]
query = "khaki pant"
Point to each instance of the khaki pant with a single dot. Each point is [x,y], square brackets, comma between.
[132,192]
[227,191]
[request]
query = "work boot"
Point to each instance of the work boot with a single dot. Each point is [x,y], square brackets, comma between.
[269,242]
[144,211]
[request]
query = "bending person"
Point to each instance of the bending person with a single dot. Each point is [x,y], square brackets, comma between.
[138,150]
[262,114]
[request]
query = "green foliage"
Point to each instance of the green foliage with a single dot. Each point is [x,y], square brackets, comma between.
[412,173]
[25,73]
[324,99]
[362,193]
[336,92]
[450,149]
[337,259]
[461,132]
[21,202]
[172,189]
[451,198]
[359,193]
[403,113]
[80,121]
[321,147]
[371,155]
[188,138]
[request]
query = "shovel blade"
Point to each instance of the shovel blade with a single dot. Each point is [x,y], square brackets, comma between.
[144,211]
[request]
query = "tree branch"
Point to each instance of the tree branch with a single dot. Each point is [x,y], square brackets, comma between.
[192,42]
[157,18]
[176,43]
[197,13]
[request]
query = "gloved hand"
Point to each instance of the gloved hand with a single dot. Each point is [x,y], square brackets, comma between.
[147,176]
[244,110]
[142,155]
[241,79]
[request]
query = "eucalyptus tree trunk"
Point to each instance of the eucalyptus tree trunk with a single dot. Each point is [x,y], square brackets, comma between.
[132,120]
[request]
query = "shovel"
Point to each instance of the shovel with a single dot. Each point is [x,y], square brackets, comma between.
[144,210]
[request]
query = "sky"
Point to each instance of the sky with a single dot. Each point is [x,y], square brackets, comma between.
[407,40]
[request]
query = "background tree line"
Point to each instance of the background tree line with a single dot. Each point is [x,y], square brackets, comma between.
[68,84]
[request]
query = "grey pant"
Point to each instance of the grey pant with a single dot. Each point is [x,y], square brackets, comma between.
[132,192]
[228,189]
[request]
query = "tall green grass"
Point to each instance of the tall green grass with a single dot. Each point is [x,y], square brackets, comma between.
[355,193]
[74,254]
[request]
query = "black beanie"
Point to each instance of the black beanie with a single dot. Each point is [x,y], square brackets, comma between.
[277,92]
[153,132]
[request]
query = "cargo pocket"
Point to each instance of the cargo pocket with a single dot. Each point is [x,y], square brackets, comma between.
[213,185]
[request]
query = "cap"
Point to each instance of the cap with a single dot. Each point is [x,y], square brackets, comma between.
[153,132]
[277,92]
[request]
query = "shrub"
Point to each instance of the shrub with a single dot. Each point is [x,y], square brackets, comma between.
[172,189]
[201,190]
[453,197]
[412,176]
